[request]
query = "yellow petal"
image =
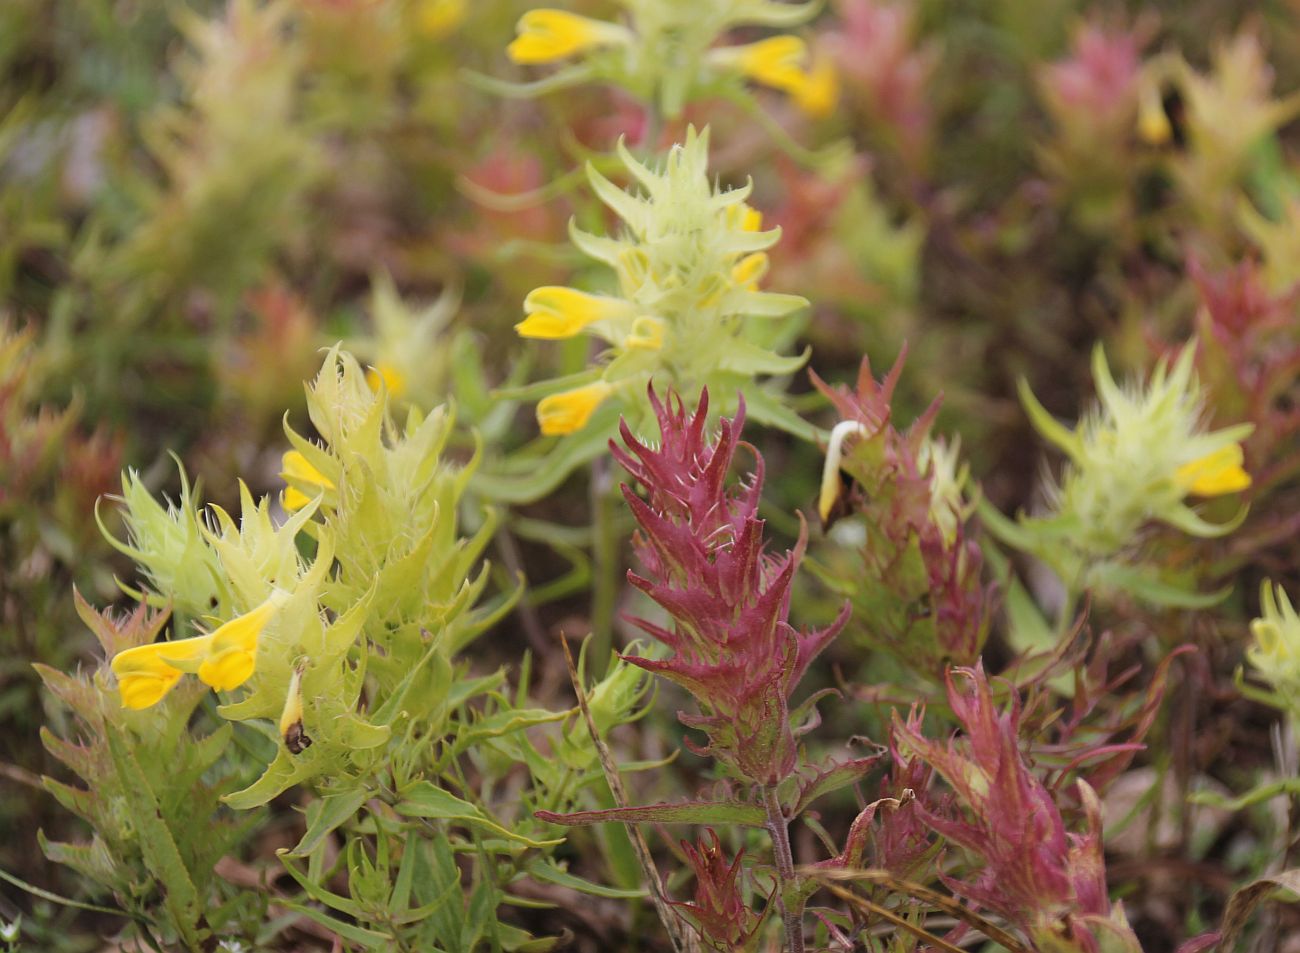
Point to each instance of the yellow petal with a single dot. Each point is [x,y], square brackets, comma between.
[817,91]
[294,499]
[148,672]
[749,271]
[144,691]
[227,670]
[566,412]
[294,464]
[1214,474]
[555,312]
[437,18]
[387,376]
[1153,125]
[549,35]
[231,657]
[777,61]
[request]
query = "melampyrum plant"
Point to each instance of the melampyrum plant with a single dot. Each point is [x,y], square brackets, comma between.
[315,643]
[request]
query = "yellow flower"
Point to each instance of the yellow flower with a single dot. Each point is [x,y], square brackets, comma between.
[817,91]
[549,35]
[294,466]
[744,217]
[777,61]
[556,312]
[570,410]
[749,271]
[223,659]
[438,18]
[1153,125]
[387,376]
[1214,474]
[148,672]
[232,654]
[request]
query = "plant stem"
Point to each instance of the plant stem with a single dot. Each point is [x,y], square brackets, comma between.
[778,827]
[607,568]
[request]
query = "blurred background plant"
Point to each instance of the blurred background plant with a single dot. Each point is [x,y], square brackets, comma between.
[197,199]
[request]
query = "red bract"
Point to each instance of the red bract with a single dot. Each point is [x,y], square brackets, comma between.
[1249,360]
[701,543]
[1048,882]
[919,595]
[1096,86]
[718,914]
[887,70]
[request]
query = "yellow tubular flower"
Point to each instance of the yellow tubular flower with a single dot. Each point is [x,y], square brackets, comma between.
[232,655]
[293,465]
[549,35]
[1214,474]
[570,410]
[750,270]
[438,18]
[389,377]
[818,90]
[556,312]
[147,672]
[777,61]
[1153,125]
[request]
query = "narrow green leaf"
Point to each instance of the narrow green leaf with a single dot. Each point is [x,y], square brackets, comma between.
[423,799]
[370,939]
[331,811]
[161,855]
[547,872]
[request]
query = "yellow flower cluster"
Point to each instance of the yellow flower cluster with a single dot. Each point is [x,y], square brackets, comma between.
[688,267]
[679,37]
[1141,454]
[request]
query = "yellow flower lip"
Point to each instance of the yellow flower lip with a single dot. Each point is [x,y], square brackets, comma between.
[555,312]
[386,376]
[749,271]
[297,468]
[569,411]
[1215,474]
[777,61]
[1153,125]
[780,62]
[146,673]
[547,35]
[232,655]
[438,18]
[223,659]
[817,91]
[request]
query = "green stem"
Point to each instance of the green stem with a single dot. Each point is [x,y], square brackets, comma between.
[779,828]
[607,565]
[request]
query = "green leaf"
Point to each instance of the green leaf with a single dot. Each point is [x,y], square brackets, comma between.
[1147,586]
[319,893]
[161,855]
[326,815]
[546,871]
[686,812]
[1047,425]
[423,799]
[370,939]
